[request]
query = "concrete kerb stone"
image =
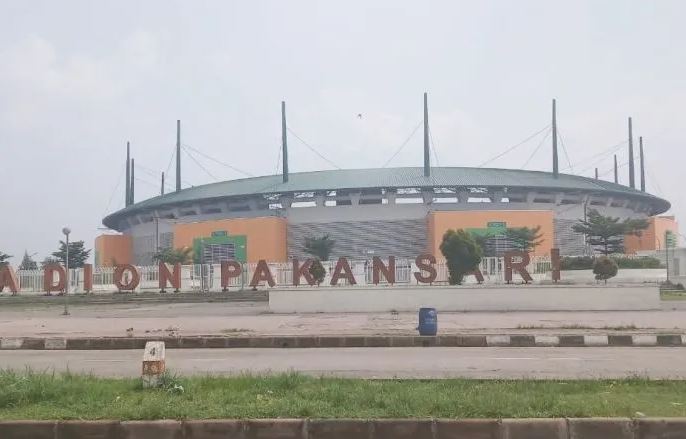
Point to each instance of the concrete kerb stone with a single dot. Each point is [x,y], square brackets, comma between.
[547,340]
[497,340]
[456,340]
[55,343]
[535,428]
[11,343]
[601,428]
[28,429]
[467,428]
[669,340]
[660,428]
[87,429]
[596,340]
[151,429]
[644,340]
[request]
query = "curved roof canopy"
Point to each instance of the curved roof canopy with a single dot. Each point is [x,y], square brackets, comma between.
[389,178]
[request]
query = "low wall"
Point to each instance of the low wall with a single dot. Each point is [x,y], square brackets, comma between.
[485,298]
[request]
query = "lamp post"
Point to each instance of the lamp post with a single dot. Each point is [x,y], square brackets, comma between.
[66,231]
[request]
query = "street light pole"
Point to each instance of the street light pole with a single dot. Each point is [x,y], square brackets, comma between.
[66,231]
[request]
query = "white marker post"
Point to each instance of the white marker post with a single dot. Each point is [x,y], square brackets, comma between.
[153,364]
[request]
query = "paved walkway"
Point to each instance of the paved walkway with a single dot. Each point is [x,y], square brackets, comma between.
[254,319]
[504,363]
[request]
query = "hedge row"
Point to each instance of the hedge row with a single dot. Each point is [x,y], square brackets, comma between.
[586,262]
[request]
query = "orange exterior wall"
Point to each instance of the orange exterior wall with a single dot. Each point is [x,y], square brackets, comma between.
[113,249]
[266,236]
[439,222]
[653,238]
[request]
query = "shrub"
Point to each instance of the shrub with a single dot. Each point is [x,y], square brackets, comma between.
[587,262]
[605,268]
[462,254]
[317,271]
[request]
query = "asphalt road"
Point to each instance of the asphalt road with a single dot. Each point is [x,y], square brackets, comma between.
[564,363]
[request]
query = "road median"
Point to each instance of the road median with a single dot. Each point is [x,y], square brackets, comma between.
[349,341]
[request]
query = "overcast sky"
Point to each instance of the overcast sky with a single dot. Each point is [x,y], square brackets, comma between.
[80,78]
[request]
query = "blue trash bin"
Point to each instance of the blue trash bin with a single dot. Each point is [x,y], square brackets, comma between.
[428,321]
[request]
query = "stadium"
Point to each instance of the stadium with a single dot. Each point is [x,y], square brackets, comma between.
[401,212]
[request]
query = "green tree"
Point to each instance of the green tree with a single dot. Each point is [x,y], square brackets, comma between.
[482,241]
[4,258]
[27,263]
[605,268]
[49,260]
[524,238]
[317,271]
[462,254]
[319,247]
[174,255]
[78,255]
[605,233]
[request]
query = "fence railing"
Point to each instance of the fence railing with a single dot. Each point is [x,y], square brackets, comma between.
[207,277]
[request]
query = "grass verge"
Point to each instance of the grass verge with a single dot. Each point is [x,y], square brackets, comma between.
[65,396]
[673,295]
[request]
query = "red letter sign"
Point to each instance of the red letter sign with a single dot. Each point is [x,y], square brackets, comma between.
[230,269]
[304,271]
[519,267]
[342,270]
[425,263]
[555,263]
[133,282]
[378,268]
[262,273]
[167,276]
[8,279]
[49,284]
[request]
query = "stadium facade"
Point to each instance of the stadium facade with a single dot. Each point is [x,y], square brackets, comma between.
[372,212]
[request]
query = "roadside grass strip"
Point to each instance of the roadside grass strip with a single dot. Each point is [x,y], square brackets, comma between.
[36,395]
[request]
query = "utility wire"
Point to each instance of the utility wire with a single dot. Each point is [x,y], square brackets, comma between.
[402,145]
[599,156]
[536,150]
[171,160]
[511,148]
[198,163]
[187,147]
[564,148]
[312,148]
[114,191]
[278,161]
[433,147]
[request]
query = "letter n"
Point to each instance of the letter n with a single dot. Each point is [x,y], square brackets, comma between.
[379,268]
[170,276]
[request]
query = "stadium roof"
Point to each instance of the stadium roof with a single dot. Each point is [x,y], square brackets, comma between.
[388,178]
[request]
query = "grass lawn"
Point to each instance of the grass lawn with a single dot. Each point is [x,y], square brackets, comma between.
[673,295]
[47,396]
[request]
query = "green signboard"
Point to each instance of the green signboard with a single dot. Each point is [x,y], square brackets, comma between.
[222,243]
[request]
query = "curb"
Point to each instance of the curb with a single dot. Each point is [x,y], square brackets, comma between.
[554,428]
[471,340]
